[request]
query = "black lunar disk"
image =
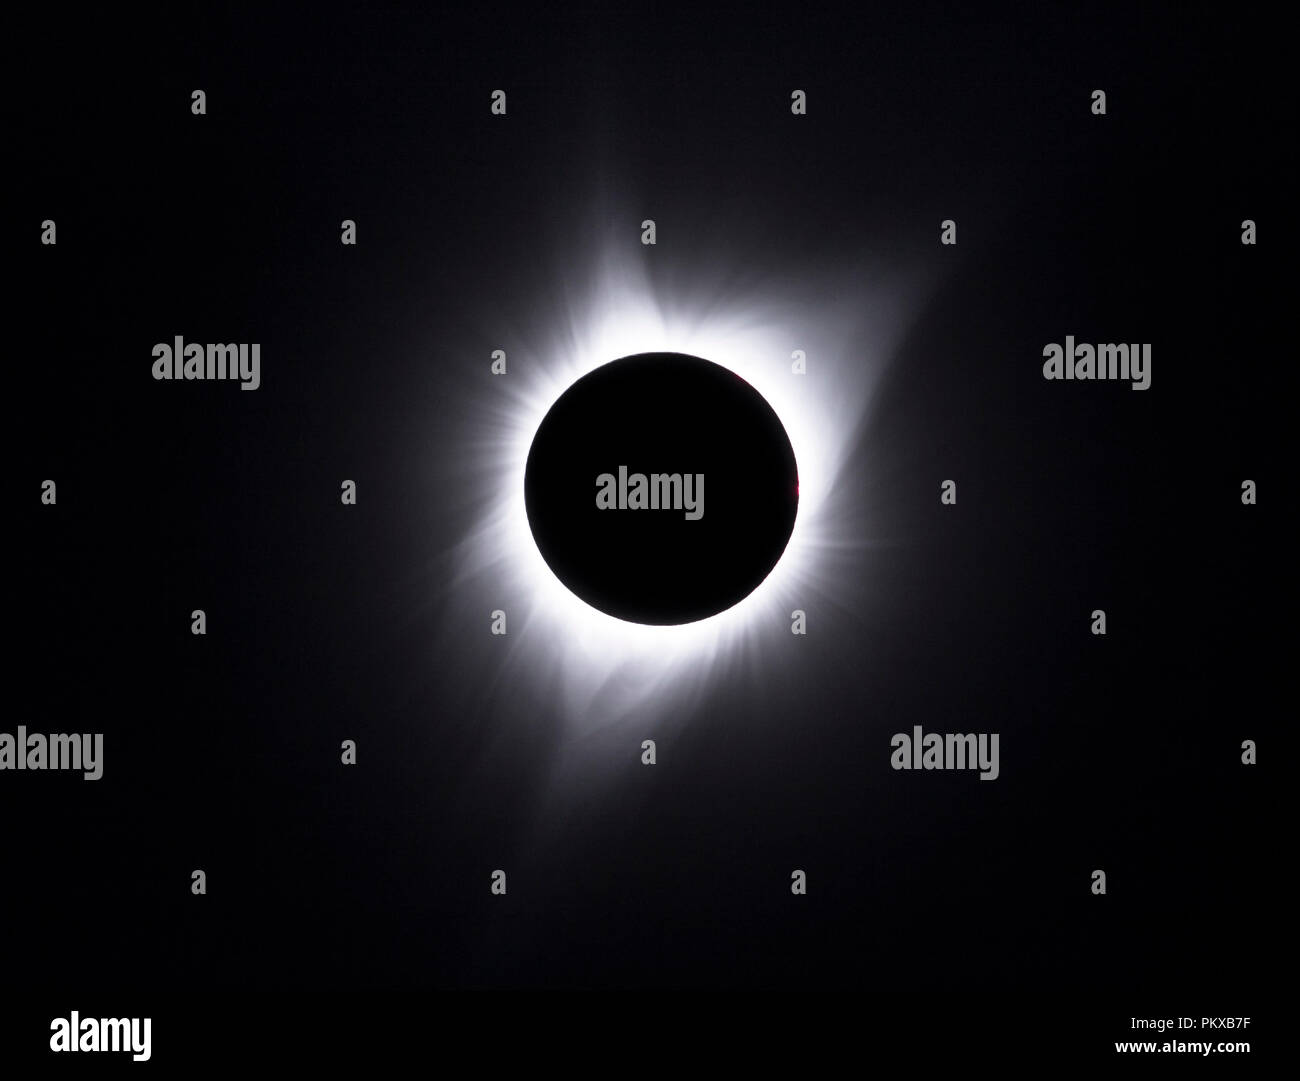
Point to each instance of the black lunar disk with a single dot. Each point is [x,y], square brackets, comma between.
[661,488]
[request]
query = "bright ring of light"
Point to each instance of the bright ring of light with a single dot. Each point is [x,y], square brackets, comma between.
[602,668]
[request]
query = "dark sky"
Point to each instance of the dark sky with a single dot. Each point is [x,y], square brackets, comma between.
[1120,753]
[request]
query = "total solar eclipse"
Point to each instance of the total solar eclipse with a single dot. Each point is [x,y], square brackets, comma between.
[661,488]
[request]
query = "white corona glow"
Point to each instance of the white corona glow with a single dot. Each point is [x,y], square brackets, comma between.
[601,669]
